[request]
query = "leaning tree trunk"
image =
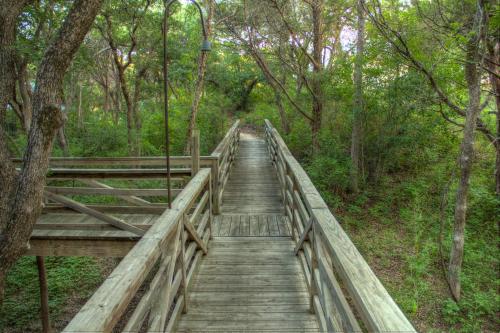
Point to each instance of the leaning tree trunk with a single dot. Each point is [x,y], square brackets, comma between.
[202,65]
[23,199]
[356,137]
[473,79]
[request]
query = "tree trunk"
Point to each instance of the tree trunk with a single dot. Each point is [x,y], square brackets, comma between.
[317,90]
[358,103]
[9,12]
[25,91]
[80,109]
[141,73]
[473,79]
[116,98]
[128,104]
[494,75]
[285,125]
[24,196]
[63,142]
[202,64]
[106,91]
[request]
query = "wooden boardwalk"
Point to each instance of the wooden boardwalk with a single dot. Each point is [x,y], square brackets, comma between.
[253,187]
[249,245]
[251,281]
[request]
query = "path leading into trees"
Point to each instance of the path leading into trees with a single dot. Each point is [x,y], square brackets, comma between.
[248,245]
[252,280]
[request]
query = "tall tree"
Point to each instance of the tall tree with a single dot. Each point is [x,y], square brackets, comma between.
[358,102]
[123,58]
[292,34]
[22,192]
[473,20]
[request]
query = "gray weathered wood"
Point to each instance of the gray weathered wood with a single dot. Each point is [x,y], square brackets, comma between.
[86,210]
[109,302]
[372,301]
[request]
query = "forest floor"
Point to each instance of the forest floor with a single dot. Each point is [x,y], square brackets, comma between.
[402,250]
[71,281]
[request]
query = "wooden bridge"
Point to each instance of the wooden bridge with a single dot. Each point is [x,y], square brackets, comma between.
[248,246]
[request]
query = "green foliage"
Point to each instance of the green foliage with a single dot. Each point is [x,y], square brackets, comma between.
[331,178]
[69,279]
[409,151]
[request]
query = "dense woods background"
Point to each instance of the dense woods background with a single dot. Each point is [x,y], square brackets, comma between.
[391,106]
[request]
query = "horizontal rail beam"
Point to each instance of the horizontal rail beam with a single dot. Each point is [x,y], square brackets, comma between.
[63,173]
[109,191]
[117,209]
[122,161]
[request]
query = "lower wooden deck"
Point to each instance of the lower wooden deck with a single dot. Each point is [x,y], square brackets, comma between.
[250,280]
[74,234]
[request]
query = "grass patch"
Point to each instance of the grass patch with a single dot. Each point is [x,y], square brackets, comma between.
[395,226]
[69,278]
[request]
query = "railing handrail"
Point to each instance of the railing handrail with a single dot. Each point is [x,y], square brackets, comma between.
[122,161]
[376,307]
[110,301]
[219,150]
[223,156]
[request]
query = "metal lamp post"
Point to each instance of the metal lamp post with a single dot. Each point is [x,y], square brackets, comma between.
[205,47]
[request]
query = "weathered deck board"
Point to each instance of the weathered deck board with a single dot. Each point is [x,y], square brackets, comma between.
[251,280]
[245,225]
[253,187]
[249,286]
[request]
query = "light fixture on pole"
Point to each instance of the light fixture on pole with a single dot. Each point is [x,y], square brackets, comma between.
[205,47]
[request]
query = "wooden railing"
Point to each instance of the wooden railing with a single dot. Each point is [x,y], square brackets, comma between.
[223,157]
[148,289]
[134,168]
[345,293]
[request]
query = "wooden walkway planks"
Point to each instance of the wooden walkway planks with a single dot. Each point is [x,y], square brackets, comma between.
[250,280]
[253,187]
[245,225]
[249,285]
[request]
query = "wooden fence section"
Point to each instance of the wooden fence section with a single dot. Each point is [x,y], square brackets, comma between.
[77,168]
[223,157]
[163,262]
[130,194]
[334,269]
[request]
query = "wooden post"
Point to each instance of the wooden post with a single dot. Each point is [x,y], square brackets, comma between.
[210,208]
[314,265]
[215,187]
[184,269]
[44,294]
[195,152]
